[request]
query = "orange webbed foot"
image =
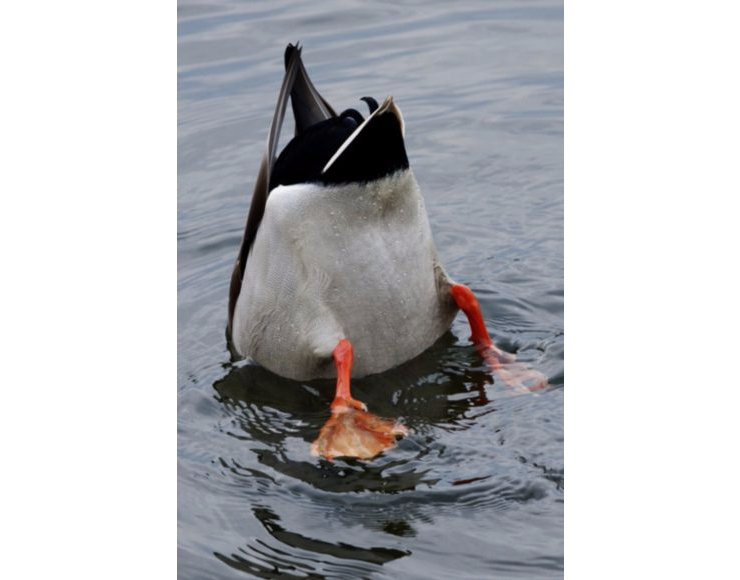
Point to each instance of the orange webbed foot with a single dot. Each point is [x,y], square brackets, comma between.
[518,376]
[353,432]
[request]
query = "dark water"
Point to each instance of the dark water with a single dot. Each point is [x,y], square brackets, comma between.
[477,490]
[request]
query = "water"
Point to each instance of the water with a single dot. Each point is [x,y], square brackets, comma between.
[477,490]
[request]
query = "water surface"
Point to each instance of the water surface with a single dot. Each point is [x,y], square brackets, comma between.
[477,490]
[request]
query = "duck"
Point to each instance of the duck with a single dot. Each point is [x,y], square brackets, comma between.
[338,275]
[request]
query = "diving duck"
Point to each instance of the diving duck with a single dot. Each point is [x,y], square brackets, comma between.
[338,275]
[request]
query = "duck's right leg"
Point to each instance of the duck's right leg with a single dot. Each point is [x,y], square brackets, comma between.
[351,431]
[519,376]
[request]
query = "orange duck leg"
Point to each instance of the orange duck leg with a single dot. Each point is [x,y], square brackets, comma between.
[351,431]
[518,376]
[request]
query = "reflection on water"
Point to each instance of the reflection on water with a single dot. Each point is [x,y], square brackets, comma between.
[445,389]
[340,550]
[476,490]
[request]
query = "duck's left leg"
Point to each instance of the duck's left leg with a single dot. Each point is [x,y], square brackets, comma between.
[519,376]
[351,431]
